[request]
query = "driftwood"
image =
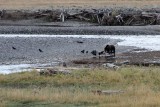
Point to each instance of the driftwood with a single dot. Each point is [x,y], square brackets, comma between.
[158,19]
[82,18]
[98,19]
[110,65]
[101,17]
[107,92]
[62,17]
[129,21]
[41,15]
[123,63]
[148,14]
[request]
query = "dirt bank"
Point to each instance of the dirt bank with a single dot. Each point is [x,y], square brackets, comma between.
[32,4]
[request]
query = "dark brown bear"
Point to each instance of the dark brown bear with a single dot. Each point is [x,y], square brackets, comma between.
[110,49]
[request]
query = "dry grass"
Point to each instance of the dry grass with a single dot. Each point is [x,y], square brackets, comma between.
[17,4]
[142,96]
[141,86]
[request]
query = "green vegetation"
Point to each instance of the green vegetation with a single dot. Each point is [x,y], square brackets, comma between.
[141,87]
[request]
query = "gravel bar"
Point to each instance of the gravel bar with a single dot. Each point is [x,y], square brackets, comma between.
[89,30]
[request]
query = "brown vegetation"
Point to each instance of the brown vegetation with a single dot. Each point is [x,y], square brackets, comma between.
[140,85]
[17,4]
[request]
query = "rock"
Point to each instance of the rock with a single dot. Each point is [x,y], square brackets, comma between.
[52,71]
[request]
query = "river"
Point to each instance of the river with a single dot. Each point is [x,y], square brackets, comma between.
[148,42]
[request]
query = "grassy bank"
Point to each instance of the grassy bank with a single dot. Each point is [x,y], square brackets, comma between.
[141,88]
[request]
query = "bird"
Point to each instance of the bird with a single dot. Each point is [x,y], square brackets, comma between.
[82,51]
[40,50]
[79,41]
[100,53]
[13,48]
[94,52]
[86,51]
[64,64]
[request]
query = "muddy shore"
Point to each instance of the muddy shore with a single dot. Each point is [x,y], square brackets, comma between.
[43,50]
[26,50]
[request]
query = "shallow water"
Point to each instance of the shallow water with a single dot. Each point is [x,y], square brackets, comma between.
[149,42]
[6,69]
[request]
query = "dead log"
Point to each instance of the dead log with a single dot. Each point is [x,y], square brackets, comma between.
[2,13]
[150,18]
[150,15]
[137,20]
[41,15]
[108,20]
[152,21]
[110,65]
[158,19]
[14,14]
[82,18]
[74,13]
[107,92]
[98,20]
[129,21]
[62,17]
[120,19]
[123,63]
